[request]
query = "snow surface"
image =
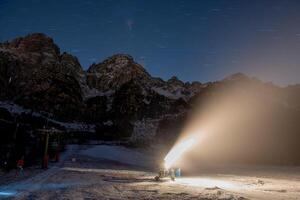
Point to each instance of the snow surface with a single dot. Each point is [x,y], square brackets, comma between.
[101,177]
[116,153]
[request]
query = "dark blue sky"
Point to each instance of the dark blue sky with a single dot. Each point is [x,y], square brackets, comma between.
[194,40]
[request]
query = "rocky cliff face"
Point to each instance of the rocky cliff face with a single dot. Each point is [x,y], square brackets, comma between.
[112,94]
[116,98]
[115,71]
[34,74]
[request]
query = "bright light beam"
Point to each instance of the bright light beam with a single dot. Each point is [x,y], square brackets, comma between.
[7,193]
[177,151]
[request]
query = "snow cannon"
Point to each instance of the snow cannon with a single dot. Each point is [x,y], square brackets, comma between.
[174,154]
[164,173]
[168,172]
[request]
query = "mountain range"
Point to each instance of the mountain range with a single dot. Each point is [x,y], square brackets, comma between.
[117,98]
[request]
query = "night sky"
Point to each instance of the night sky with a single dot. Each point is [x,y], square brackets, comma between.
[194,40]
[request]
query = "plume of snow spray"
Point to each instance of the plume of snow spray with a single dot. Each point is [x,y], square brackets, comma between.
[175,153]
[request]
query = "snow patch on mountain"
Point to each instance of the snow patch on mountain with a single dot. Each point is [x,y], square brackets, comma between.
[167,93]
[69,127]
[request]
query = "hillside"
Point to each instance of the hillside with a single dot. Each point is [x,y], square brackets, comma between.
[119,99]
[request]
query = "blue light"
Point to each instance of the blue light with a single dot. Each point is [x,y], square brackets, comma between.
[7,193]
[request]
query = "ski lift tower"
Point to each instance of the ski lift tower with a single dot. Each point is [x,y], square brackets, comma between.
[46,133]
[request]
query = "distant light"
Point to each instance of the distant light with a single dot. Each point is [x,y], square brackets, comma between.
[7,194]
[177,151]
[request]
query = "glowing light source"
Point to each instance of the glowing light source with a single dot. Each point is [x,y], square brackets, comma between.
[7,193]
[177,151]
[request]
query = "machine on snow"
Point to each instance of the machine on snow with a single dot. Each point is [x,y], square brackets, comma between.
[172,173]
[173,155]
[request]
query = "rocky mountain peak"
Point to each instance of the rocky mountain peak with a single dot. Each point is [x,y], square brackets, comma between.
[70,63]
[114,63]
[37,76]
[237,77]
[36,42]
[115,71]
[175,81]
[121,59]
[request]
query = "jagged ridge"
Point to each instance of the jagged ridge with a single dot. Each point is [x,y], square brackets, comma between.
[117,96]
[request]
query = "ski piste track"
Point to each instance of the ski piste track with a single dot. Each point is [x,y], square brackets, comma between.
[92,176]
[27,186]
